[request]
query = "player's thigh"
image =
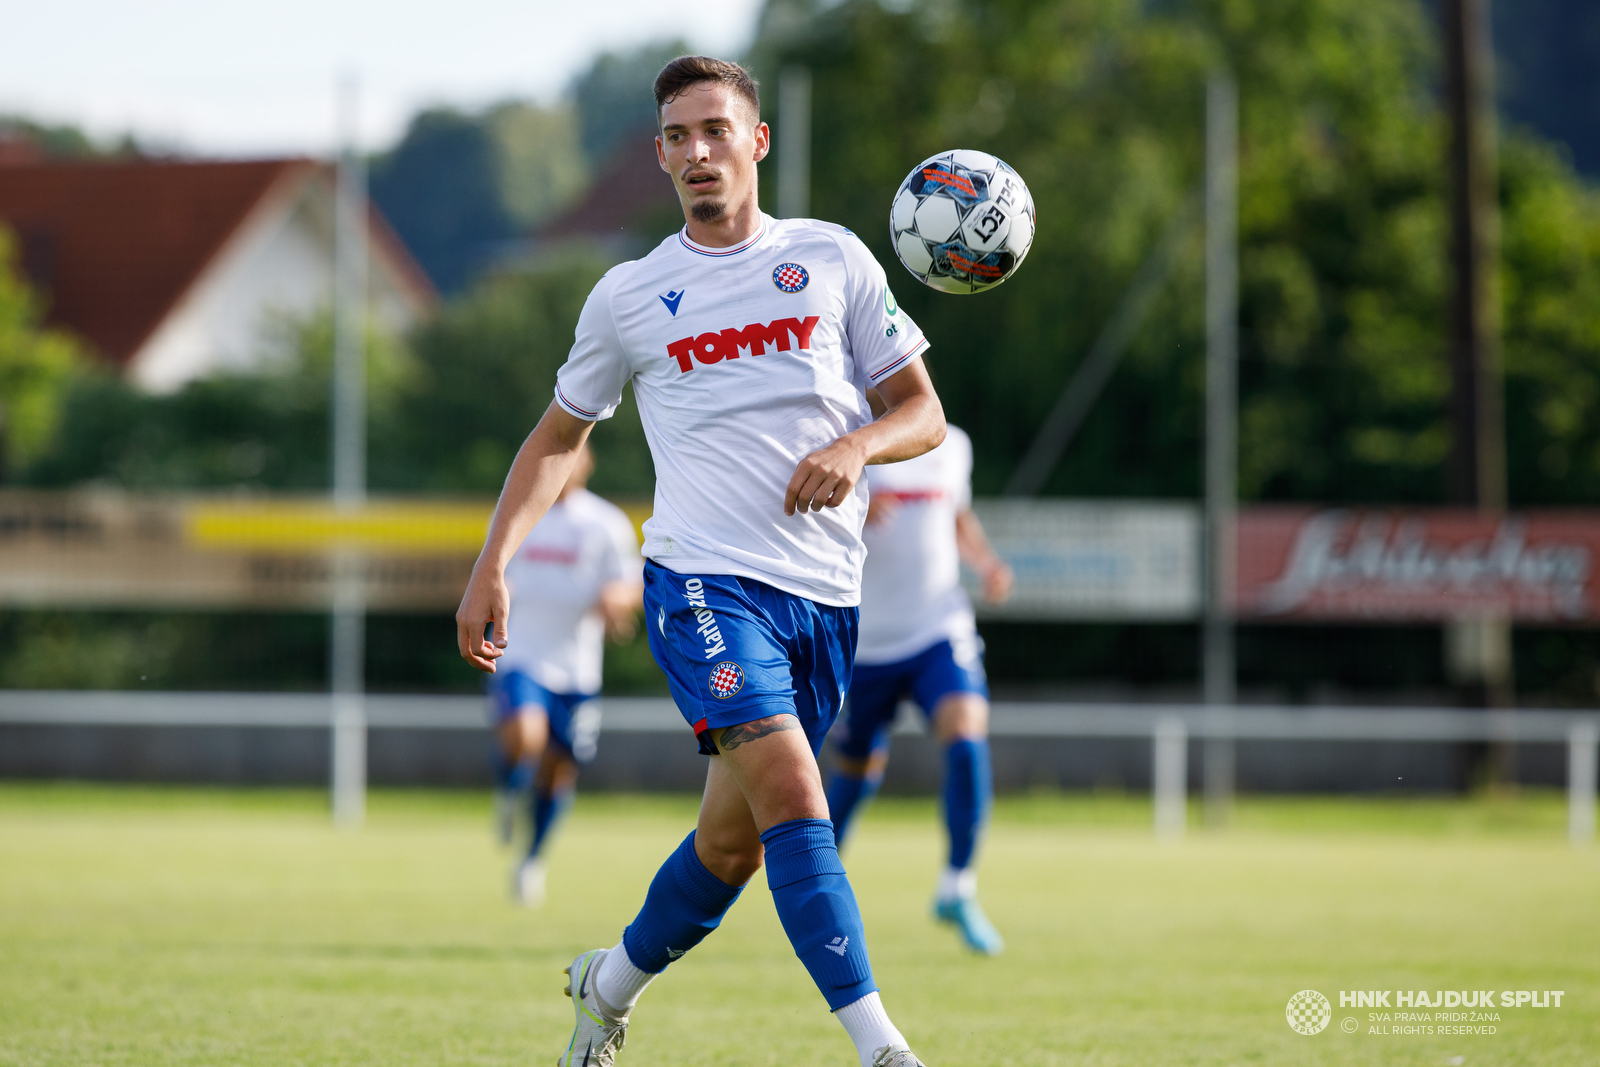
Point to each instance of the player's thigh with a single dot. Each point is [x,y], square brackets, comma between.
[772,763]
[557,771]
[523,733]
[961,716]
[726,839]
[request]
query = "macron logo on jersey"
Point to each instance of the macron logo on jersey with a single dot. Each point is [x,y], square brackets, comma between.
[672,300]
[716,347]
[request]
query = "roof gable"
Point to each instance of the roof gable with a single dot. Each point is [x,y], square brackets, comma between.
[115,245]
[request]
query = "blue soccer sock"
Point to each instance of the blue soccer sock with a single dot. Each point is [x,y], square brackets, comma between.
[846,795]
[510,775]
[818,909]
[968,793]
[685,903]
[548,808]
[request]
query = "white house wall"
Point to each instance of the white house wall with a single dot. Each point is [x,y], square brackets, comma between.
[276,268]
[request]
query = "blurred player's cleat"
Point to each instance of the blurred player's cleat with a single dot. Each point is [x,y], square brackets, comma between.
[895,1057]
[505,815]
[527,883]
[597,1037]
[967,917]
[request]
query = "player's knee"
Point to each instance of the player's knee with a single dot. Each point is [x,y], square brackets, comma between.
[732,861]
[961,715]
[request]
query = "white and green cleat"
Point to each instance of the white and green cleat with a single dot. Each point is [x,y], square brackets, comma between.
[889,1056]
[967,917]
[598,1036]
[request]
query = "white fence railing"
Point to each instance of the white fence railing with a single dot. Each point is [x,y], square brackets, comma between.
[1168,727]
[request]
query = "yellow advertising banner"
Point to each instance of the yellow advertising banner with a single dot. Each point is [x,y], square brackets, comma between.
[104,548]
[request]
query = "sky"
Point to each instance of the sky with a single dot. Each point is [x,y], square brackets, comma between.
[247,77]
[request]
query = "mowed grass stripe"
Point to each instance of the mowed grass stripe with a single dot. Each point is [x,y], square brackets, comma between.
[191,926]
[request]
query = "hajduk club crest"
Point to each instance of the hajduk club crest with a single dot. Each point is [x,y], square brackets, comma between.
[790,277]
[726,679]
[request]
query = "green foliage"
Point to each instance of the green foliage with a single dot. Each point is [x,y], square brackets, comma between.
[485,374]
[1100,106]
[37,367]
[615,96]
[540,166]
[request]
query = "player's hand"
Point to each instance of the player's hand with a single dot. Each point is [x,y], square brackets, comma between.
[882,509]
[998,581]
[825,477]
[485,601]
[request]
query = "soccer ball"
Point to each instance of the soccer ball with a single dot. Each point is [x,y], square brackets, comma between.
[962,221]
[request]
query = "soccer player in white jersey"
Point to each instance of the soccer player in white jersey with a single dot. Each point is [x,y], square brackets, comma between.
[574,580]
[919,640]
[749,343]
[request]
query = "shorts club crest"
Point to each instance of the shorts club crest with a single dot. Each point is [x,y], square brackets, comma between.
[726,679]
[790,277]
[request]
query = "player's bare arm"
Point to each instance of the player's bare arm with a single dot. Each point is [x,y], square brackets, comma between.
[620,604]
[976,552]
[913,423]
[537,477]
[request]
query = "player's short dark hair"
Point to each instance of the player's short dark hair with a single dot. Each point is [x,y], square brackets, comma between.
[687,71]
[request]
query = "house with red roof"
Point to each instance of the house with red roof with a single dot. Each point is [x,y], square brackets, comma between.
[173,269]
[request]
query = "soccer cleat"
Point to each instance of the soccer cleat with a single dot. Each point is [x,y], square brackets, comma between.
[967,917]
[595,1041]
[527,882]
[895,1057]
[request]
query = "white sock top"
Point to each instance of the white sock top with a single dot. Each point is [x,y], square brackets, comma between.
[869,1027]
[618,982]
[958,883]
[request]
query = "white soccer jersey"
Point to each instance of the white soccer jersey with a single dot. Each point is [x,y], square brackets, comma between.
[911,595]
[557,635]
[743,360]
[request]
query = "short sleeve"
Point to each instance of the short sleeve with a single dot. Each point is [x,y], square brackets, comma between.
[589,384]
[960,446]
[882,337]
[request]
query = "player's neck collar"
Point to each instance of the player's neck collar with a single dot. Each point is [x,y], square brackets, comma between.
[731,250]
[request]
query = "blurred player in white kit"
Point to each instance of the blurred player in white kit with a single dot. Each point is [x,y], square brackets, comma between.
[575,580]
[919,640]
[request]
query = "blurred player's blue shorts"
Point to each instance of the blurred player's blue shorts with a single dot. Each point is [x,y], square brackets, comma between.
[735,650]
[574,717]
[927,678]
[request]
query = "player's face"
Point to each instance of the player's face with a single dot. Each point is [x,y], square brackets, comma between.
[710,143]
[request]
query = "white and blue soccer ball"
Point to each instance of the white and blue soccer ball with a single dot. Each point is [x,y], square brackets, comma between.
[962,221]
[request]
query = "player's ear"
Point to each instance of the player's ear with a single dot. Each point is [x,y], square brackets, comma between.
[661,154]
[763,141]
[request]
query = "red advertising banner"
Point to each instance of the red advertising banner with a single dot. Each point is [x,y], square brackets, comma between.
[1373,564]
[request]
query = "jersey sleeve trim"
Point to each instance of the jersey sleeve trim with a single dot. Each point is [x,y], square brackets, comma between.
[573,409]
[916,350]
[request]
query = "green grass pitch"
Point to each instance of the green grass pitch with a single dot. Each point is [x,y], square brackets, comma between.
[186,926]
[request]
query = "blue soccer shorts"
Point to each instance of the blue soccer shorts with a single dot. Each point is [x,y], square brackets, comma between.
[735,650]
[574,717]
[927,678]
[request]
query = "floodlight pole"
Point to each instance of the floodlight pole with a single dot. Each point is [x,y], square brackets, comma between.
[347,643]
[794,143]
[1221,450]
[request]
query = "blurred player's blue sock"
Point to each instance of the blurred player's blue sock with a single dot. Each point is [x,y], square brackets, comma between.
[818,908]
[968,792]
[846,794]
[685,903]
[547,811]
[510,776]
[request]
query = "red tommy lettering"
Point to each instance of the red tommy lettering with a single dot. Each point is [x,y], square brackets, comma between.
[715,347]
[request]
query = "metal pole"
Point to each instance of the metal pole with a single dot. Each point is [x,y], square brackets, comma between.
[347,644]
[1583,752]
[794,142]
[1222,452]
[1169,777]
[1479,649]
